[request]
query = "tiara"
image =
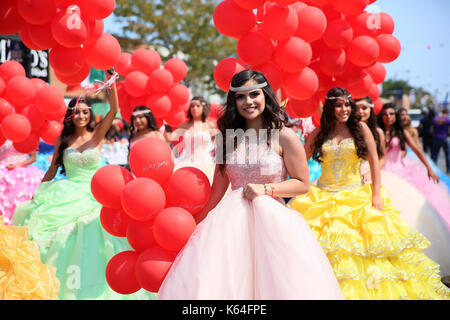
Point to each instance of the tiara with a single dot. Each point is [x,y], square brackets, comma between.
[365,103]
[248,88]
[339,98]
[139,112]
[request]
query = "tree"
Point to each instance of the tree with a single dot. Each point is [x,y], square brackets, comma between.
[184,27]
[396,88]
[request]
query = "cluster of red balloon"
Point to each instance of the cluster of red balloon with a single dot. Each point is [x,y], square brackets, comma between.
[152,207]
[149,84]
[30,109]
[307,47]
[72,29]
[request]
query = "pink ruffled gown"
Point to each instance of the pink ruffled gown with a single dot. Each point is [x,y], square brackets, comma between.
[16,185]
[415,174]
[246,250]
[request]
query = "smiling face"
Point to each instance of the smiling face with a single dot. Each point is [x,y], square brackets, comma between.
[342,109]
[363,110]
[81,115]
[404,118]
[140,122]
[250,104]
[196,109]
[388,117]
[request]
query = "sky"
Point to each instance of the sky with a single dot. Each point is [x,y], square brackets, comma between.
[423,28]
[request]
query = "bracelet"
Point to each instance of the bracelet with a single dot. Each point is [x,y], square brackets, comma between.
[265,189]
[272,188]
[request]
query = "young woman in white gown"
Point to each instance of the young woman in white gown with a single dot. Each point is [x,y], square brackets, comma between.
[248,245]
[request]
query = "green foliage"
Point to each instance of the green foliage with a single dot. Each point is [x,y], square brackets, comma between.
[393,87]
[181,26]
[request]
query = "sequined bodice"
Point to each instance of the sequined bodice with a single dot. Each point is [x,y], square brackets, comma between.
[9,155]
[198,142]
[258,164]
[394,155]
[81,166]
[340,166]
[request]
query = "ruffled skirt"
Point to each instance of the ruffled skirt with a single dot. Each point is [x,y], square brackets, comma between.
[374,254]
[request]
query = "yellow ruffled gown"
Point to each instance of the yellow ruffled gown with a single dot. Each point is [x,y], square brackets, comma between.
[22,274]
[374,254]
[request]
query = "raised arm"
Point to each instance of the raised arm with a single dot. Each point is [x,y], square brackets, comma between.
[374,166]
[218,189]
[418,151]
[53,169]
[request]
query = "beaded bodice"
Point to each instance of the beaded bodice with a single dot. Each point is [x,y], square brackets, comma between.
[81,166]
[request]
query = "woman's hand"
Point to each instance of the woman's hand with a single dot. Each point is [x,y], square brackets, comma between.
[377,203]
[251,191]
[11,166]
[433,176]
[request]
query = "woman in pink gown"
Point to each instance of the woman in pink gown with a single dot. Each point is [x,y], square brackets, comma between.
[248,245]
[421,177]
[18,180]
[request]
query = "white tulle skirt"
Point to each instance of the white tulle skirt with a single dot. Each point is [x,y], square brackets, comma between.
[251,250]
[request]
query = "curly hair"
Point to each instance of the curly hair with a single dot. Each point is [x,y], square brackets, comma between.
[328,124]
[273,116]
[69,129]
[372,124]
[206,108]
[396,129]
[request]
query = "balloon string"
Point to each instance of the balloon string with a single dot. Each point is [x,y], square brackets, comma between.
[98,86]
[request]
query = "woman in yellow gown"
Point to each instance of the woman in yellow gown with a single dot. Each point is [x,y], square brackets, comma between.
[373,252]
[22,274]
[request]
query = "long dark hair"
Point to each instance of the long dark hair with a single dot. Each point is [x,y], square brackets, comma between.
[396,130]
[372,124]
[328,124]
[206,108]
[273,116]
[69,129]
[151,122]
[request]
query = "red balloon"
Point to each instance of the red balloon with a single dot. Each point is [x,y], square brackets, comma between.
[57,114]
[301,85]
[136,83]
[160,104]
[42,36]
[2,138]
[173,227]
[363,24]
[94,28]
[50,99]
[324,80]
[377,72]
[50,131]
[75,78]
[312,23]
[231,20]
[249,4]
[140,234]
[69,30]
[107,185]
[152,158]
[123,63]
[120,272]
[160,80]
[363,51]
[255,48]
[320,3]
[38,83]
[20,90]
[145,60]
[225,70]
[35,117]
[177,68]
[11,20]
[316,119]
[362,88]
[383,23]
[30,144]
[16,127]
[351,75]
[114,221]
[332,61]
[104,53]
[179,95]
[37,11]
[293,55]
[273,74]
[5,109]
[25,36]
[377,105]
[142,198]
[2,86]
[10,69]
[374,92]
[152,267]
[175,118]
[67,61]
[285,2]
[338,34]
[98,9]
[350,7]
[303,108]
[280,22]
[194,198]
[390,47]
